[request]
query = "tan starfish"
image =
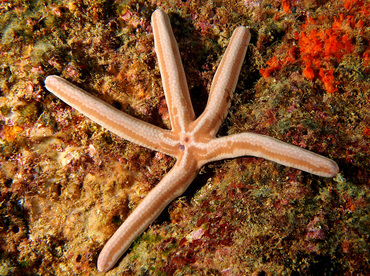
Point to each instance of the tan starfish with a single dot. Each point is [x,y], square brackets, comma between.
[191,141]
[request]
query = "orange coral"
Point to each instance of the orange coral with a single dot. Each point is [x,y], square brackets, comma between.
[308,72]
[366,57]
[367,132]
[286,6]
[321,50]
[276,63]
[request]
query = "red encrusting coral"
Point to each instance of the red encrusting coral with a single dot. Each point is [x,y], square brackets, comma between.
[286,6]
[322,49]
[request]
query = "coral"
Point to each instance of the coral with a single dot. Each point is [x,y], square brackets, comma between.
[323,45]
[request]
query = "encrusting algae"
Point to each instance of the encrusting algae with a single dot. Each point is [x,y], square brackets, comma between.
[66,184]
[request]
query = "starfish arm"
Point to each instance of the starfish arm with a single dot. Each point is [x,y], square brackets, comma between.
[170,187]
[118,122]
[271,149]
[173,76]
[224,83]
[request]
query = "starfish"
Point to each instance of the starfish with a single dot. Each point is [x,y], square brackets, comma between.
[192,141]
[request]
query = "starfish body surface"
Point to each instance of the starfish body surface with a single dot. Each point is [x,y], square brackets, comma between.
[192,141]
